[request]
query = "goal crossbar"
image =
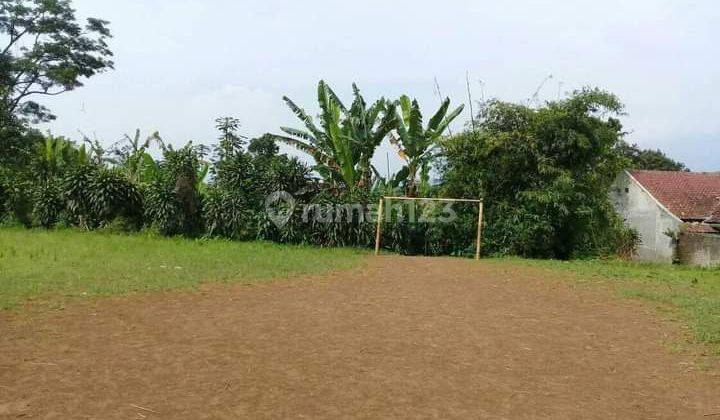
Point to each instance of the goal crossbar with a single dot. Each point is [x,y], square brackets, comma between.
[378,230]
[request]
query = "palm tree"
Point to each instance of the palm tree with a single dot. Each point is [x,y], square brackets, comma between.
[416,144]
[344,143]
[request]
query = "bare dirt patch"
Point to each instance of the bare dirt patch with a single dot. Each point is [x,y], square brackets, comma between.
[403,337]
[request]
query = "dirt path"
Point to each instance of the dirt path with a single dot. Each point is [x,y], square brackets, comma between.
[405,337]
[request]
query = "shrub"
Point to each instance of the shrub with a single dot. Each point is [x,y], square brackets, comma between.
[76,189]
[113,196]
[544,173]
[163,208]
[19,203]
[227,214]
[48,204]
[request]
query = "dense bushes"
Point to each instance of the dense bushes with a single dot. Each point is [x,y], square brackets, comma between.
[544,174]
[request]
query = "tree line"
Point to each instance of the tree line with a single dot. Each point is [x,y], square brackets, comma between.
[544,171]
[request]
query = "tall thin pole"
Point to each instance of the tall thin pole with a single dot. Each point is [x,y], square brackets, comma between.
[437,89]
[479,230]
[470,102]
[379,226]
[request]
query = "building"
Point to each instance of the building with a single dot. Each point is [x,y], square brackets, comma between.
[676,214]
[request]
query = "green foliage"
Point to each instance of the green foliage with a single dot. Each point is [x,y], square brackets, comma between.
[430,228]
[230,140]
[77,193]
[47,52]
[234,203]
[48,204]
[163,208]
[112,196]
[51,267]
[132,156]
[648,159]
[55,156]
[345,142]
[263,146]
[227,214]
[173,203]
[416,143]
[18,201]
[544,174]
[326,218]
[17,143]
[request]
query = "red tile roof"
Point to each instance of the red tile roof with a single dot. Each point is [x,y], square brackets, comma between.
[715,216]
[688,195]
[700,228]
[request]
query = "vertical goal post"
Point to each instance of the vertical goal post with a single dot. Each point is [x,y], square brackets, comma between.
[378,231]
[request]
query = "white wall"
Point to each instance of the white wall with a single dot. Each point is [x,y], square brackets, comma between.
[648,217]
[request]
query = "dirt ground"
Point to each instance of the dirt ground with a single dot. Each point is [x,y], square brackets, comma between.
[400,338]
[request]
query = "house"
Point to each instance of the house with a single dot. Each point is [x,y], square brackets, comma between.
[676,214]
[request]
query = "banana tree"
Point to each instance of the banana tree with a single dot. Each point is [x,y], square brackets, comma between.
[367,129]
[416,144]
[131,155]
[55,155]
[343,144]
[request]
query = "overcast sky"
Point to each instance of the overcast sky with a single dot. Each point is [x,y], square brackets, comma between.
[180,64]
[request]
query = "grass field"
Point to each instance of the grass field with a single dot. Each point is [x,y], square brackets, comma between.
[688,293]
[50,266]
[53,265]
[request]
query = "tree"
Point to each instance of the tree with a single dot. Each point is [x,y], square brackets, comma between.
[54,156]
[131,155]
[544,174]
[230,140]
[345,142]
[367,129]
[416,144]
[649,159]
[47,53]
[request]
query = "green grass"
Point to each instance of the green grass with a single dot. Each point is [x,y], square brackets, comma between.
[50,266]
[689,294]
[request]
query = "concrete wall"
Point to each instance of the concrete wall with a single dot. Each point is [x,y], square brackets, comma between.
[648,217]
[699,249]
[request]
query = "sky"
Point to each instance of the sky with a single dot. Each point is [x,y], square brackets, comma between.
[180,64]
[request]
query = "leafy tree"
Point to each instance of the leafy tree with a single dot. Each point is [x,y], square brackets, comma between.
[47,53]
[17,143]
[544,174]
[230,140]
[345,142]
[263,146]
[131,154]
[649,159]
[55,156]
[234,203]
[416,143]
[367,129]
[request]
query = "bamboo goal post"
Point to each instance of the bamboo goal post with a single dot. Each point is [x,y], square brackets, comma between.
[378,229]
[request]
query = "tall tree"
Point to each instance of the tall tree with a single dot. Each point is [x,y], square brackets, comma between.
[416,143]
[544,174]
[649,159]
[345,141]
[231,141]
[47,53]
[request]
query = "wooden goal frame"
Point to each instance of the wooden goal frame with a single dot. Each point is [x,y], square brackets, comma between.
[378,230]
